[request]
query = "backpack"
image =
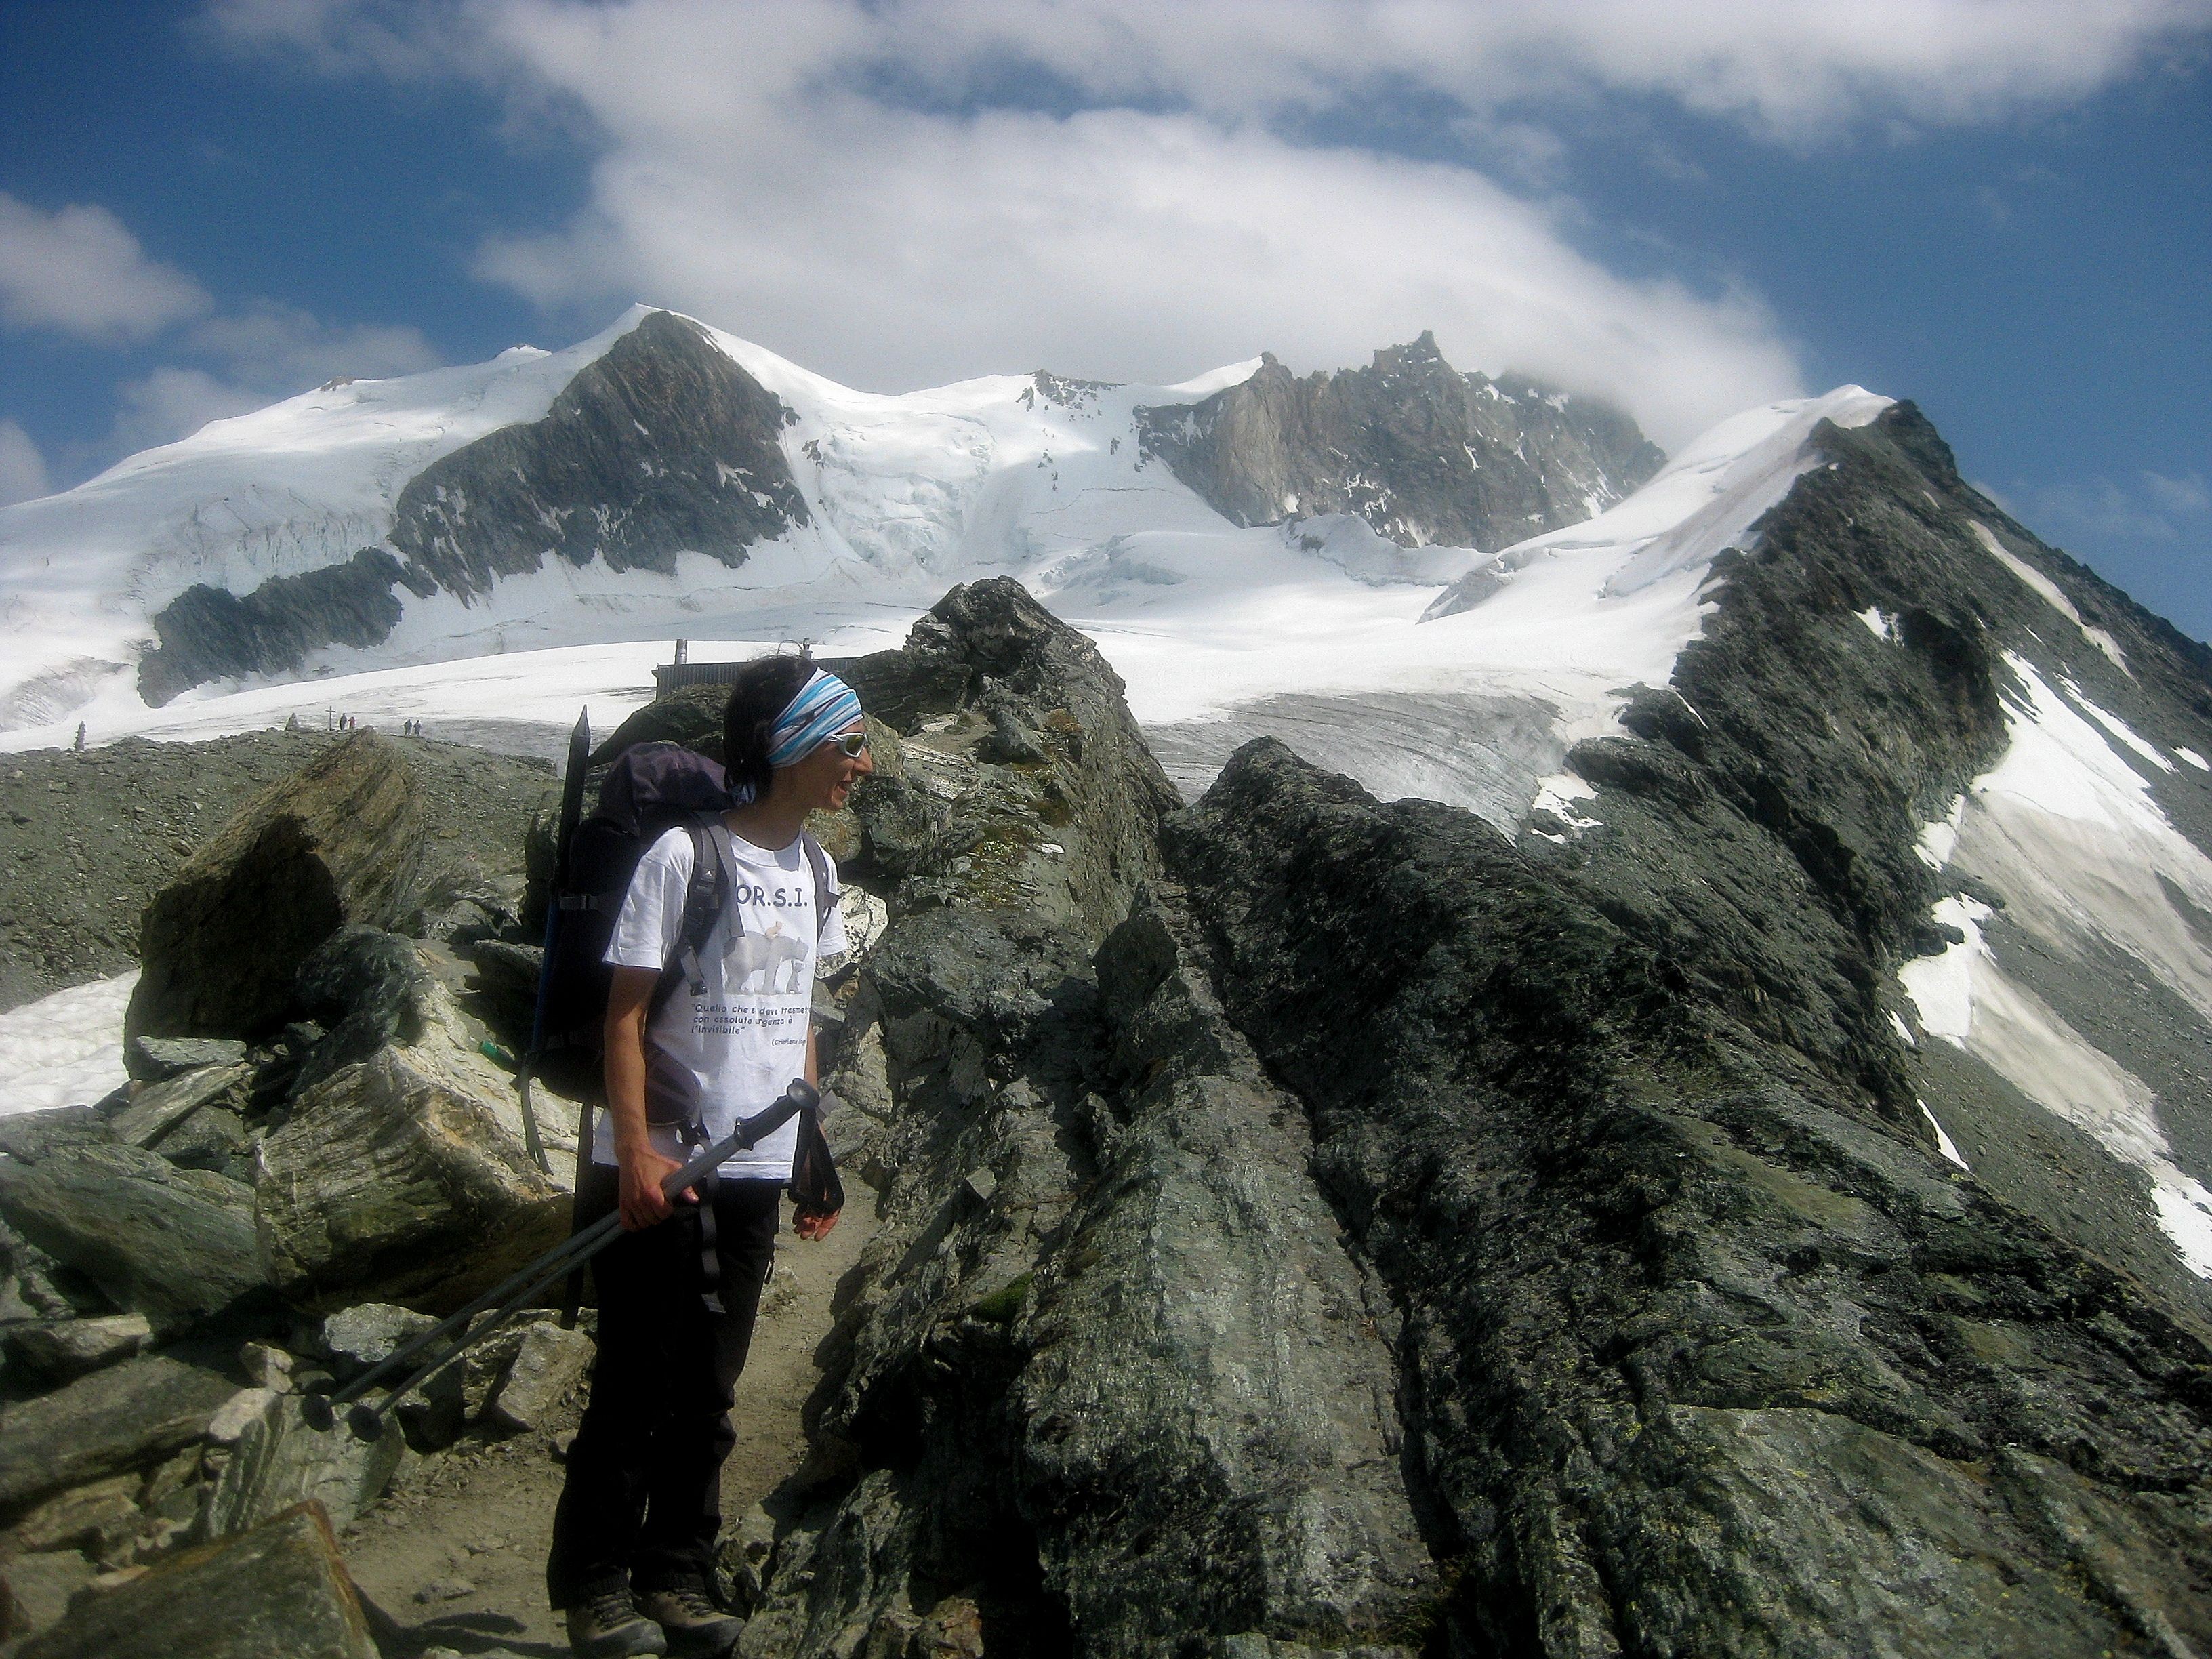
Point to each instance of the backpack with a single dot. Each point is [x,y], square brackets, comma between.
[651,788]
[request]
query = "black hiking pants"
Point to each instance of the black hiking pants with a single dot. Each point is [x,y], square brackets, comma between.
[643,1495]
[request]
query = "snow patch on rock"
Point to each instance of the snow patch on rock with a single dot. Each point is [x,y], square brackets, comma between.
[2050,591]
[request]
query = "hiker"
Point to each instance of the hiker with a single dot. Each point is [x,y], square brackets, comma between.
[631,1561]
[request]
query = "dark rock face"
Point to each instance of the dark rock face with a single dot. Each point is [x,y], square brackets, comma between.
[1705,1352]
[1651,1255]
[1108,1374]
[1425,455]
[211,633]
[662,446]
[344,840]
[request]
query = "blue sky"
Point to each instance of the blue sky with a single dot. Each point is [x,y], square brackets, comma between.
[2001,209]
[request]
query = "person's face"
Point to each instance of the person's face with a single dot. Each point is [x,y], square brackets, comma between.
[825,778]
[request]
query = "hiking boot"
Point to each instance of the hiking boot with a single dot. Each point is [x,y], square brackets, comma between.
[606,1625]
[695,1624]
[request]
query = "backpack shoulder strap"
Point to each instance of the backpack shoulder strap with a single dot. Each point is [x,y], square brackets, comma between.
[825,894]
[704,897]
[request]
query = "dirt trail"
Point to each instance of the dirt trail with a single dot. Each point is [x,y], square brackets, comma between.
[454,1557]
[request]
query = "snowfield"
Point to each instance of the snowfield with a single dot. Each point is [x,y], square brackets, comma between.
[2067,831]
[1313,630]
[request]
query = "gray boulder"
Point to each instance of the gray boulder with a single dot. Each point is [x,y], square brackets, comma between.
[65,1349]
[355,1339]
[177,1245]
[278,1459]
[343,840]
[548,1362]
[152,1059]
[280,1591]
[403,1177]
[213,1138]
[158,1108]
[29,1137]
[129,1416]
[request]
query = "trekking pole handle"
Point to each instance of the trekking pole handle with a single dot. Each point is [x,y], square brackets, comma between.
[800,1097]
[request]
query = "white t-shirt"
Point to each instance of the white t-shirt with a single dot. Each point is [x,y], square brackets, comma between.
[732,1049]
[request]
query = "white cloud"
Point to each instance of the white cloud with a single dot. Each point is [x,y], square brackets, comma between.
[1798,69]
[76,270]
[892,246]
[847,183]
[267,352]
[2184,494]
[285,350]
[174,403]
[22,468]
[2099,510]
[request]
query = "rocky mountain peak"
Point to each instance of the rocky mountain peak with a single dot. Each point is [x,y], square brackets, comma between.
[661,444]
[1423,454]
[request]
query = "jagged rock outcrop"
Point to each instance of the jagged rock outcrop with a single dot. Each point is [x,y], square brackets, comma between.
[1705,1349]
[400,1172]
[1108,1374]
[1424,455]
[1651,1256]
[343,840]
[1582,1175]
[662,446]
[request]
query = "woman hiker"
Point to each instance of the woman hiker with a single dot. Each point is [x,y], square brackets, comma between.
[631,1562]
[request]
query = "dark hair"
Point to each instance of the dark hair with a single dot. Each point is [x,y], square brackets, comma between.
[762,689]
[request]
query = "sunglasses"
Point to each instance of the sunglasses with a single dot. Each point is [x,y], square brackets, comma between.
[851,744]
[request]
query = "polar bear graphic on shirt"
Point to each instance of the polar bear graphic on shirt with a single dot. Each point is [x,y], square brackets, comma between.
[757,962]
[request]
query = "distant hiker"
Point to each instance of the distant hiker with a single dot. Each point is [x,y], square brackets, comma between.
[633,1534]
[79,737]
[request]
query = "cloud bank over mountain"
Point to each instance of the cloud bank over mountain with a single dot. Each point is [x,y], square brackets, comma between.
[900,192]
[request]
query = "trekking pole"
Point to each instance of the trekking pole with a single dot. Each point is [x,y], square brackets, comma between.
[515,1291]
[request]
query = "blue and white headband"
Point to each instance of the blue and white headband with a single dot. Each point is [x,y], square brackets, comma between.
[824,706]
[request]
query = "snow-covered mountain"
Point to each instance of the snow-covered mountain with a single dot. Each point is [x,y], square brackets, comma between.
[1965,739]
[664,474]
